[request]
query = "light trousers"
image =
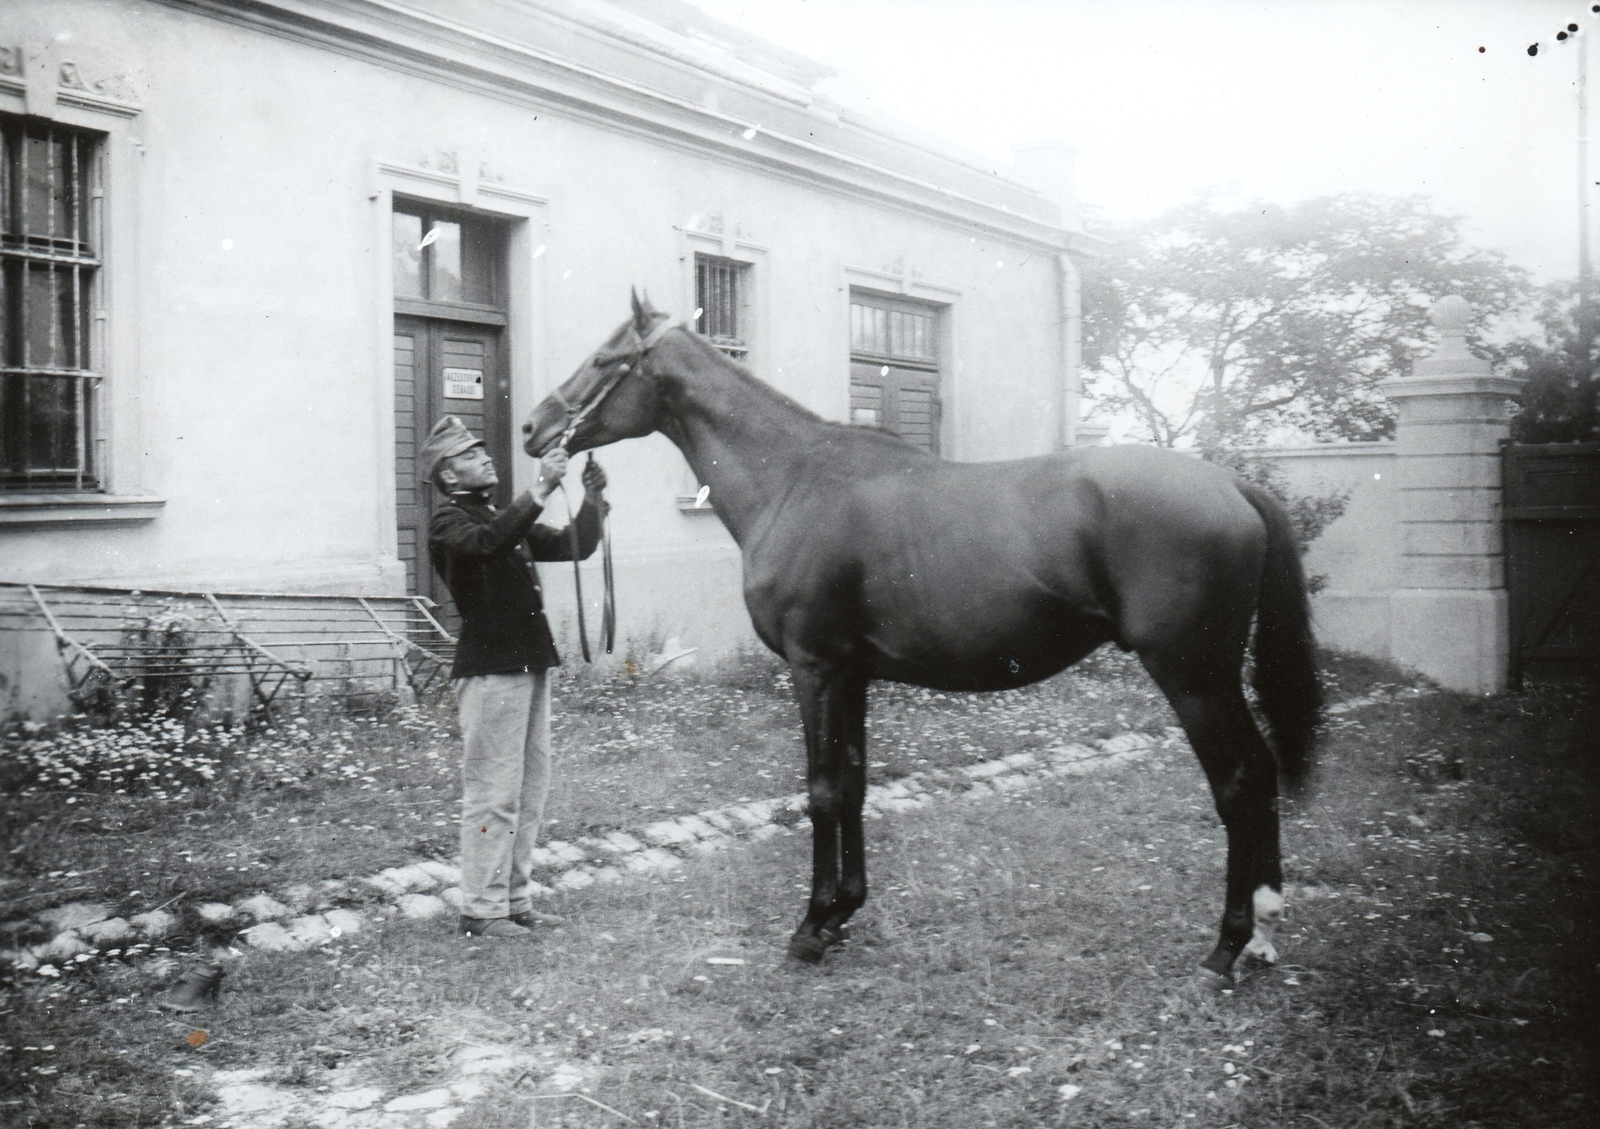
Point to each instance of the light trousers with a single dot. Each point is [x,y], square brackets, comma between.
[505,779]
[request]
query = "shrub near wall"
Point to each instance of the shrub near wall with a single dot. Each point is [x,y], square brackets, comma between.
[1343,496]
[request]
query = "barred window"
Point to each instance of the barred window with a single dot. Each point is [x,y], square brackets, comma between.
[721,303]
[48,263]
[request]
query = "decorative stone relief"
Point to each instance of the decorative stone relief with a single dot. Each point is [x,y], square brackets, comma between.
[444,160]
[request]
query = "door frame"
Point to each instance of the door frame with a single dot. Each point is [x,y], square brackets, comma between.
[907,280]
[429,405]
[524,341]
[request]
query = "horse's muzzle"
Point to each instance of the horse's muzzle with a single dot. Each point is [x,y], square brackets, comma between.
[537,441]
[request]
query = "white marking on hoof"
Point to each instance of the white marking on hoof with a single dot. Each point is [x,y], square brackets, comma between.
[1269,911]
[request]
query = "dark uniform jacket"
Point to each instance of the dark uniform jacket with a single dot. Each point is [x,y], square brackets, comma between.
[485,557]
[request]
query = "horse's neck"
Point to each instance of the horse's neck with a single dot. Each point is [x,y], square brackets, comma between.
[743,440]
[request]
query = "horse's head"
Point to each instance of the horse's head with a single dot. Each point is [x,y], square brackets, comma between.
[612,396]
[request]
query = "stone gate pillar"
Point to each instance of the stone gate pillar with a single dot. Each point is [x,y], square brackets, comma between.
[1448,615]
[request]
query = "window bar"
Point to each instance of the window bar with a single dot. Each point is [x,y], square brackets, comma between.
[53,312]
[724,299]
[22,382]
[80,416]
[22,188]
[425,264]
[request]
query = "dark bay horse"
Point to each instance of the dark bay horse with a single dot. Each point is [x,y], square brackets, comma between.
[867,558]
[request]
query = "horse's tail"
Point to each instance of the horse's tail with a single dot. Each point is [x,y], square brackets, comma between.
[1286,672]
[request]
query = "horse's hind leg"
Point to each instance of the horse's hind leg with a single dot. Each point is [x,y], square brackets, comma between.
[833,708]
[1244,783]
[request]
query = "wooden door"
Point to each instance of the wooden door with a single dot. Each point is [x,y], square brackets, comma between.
[443,368]
[898,399]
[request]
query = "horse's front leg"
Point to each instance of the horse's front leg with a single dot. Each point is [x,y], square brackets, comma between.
[852,893]
[833,709]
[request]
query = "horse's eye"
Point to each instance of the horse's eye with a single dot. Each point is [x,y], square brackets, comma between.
[527,429]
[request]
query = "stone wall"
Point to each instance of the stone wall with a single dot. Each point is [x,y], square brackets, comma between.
[1414,569]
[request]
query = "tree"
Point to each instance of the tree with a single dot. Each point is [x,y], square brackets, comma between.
[1234,325]
[1560,401]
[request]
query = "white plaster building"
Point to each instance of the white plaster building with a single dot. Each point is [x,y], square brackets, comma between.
[223,333]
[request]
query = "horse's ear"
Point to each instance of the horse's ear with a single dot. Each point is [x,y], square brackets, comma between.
[641,313]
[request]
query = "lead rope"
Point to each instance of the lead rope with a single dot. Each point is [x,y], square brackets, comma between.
[608,605]
[577,575]
[608,599]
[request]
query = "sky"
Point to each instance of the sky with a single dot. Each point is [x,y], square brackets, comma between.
[1280,100]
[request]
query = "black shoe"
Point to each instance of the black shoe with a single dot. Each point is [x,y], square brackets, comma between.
[194,990]
[528,918]
[493,927]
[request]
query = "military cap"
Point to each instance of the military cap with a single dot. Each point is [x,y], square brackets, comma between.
[448,438]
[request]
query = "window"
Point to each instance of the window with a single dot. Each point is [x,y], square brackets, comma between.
[721,303]
[447,258]
[48,268]
[894,367]
[885,332]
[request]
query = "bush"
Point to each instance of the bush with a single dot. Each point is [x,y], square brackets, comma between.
[1560,401]
[1309,513]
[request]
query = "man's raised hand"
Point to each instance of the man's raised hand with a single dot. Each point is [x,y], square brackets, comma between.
[594,478]
[552,469]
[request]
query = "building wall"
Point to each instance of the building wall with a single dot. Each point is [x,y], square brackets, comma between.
[1358,554]
[248,381]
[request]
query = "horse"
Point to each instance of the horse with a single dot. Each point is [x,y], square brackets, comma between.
[867,558]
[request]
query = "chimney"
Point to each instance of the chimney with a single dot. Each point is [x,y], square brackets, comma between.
[1051,167]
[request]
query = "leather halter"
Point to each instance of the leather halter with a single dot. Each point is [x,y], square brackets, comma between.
[577,414]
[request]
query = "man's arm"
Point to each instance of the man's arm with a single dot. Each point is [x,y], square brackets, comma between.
[549,544]
[454,531]
[556,544]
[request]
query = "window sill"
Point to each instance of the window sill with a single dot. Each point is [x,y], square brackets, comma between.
[687,505]
[24,511]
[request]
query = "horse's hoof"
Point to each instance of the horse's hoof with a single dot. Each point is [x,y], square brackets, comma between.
[807,947]
[1260,952]
[831,937]
[1212,982]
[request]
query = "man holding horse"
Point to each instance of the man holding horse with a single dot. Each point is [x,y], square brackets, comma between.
[501,675]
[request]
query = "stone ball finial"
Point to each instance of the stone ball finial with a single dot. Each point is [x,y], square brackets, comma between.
[1451,315]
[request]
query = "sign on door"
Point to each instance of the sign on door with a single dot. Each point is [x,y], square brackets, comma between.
[463,384]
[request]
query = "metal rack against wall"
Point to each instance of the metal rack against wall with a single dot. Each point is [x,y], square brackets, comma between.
[125,638]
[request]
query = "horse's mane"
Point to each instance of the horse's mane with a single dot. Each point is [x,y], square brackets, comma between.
[755,384]
[749,379]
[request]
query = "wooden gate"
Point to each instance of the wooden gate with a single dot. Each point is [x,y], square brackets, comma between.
[1552,528]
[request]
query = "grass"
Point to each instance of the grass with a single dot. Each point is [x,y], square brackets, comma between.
[1010,948]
